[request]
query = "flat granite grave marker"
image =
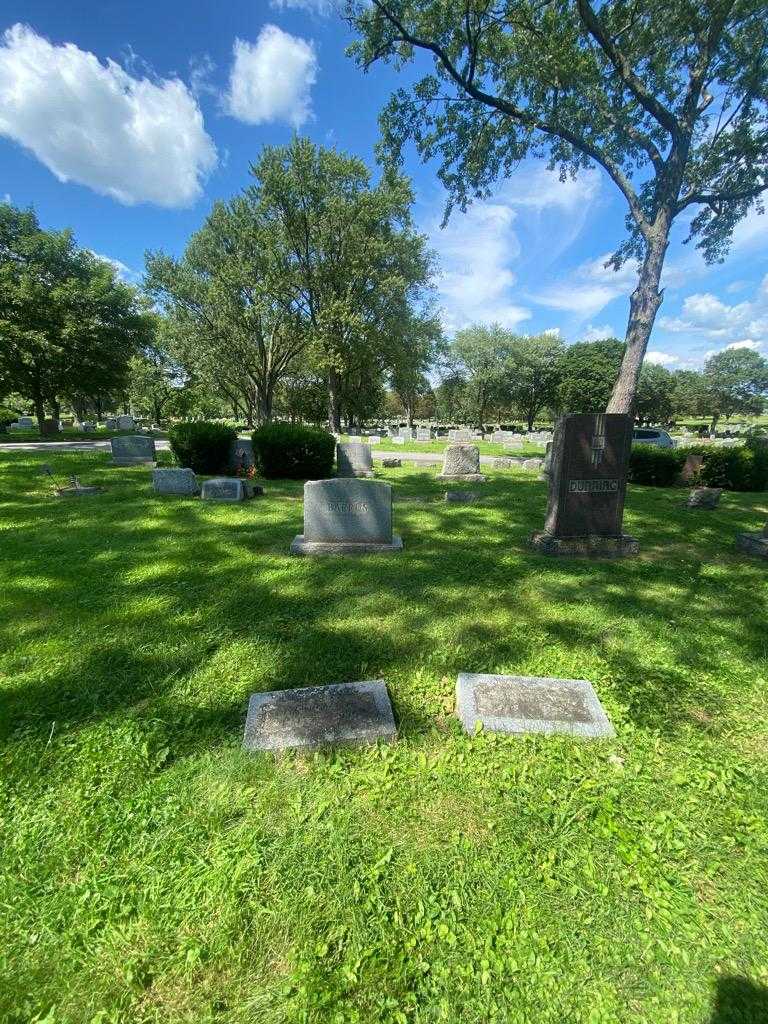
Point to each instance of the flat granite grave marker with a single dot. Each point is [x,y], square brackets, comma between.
[704,497]
[175,481]
[461,497]
[525,704]
[133,450]
[754,543]
[391,463]
[353,460]
[318,716]
[587,488]
[347,516]
[461,462]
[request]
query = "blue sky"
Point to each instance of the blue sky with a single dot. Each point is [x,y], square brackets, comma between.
[125,122]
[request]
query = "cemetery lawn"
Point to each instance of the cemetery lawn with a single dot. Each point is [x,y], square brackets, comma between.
[151,871]
[438,446]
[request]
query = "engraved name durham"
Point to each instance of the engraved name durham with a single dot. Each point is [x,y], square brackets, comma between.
[347,506]
[593,486]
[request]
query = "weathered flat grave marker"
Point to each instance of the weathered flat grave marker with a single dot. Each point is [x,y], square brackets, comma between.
[461,462]
[704,497]
[526,704]
[353,460]
[587,488]
[754,543]
[319,716]
[461,497]
[227,488]
[133,450]
[347,516]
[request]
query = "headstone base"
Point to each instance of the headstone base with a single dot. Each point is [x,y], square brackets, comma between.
[134,462]
[299,546]
[473,478]
[358,475]
[589,546]
[753,544]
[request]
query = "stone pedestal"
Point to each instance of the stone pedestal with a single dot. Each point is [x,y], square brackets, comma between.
[587,487]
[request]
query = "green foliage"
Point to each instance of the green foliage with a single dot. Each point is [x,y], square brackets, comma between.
[692,395]
[654,402]
[7,416]
[589,370]
[534,374]
[654,466]
[293,452]
[736,468]
[480,355]
[202,447]
[738,382]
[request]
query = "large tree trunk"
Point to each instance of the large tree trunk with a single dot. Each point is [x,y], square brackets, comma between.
[643,306]
[265,405]
[334,404]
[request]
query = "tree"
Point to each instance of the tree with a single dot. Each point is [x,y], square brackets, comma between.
[156,385]
[655,394]
[534,373]
[589,369]
[420,343]
[692,394]
[232,306]
[354,262]
[68,326]
[667,97]
[482,356]
[738,380]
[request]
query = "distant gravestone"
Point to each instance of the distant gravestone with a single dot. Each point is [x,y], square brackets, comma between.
[126,422]
[347,516]
[504,463]
[175,481]
[461,462]
[461,497]
[226,488]
[459,435]
[391,463]
[587,488]
[87,427]
[754,543]
[406,433]
[398,440]
[534,464]
[241,455]
[318,716]
[110,423]
[514,442]
[374,439]
[691,469]
[528,704]
[133,450]
[423,434]
[353,460]
[705,497]
[25,422]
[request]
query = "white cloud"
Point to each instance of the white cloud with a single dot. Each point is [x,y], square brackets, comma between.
[589,288]
[746,343]
[705,316]
[271,79]
[597,332]
[661,358]
[321,7]
[122,270]
[133,139]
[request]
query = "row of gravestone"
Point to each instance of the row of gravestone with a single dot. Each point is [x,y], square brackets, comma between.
[313,717]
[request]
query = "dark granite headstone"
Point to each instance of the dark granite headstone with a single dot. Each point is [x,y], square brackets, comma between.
[587,487]
[132,450]
[318,716]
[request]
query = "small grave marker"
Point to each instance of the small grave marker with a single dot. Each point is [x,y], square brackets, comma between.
[317,716]
[175,481]
[704,497]
[353,460]
[461,462]
[526,704]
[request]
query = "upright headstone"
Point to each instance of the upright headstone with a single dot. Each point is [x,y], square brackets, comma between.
[374,439]
[347,516]
[587,488]
[461,462]
[423,434]
[241,455]
[126,422]
[175,481]
[691,469]
[353,460]
[26,422]
[317,716]
[110,423]
[133,450]
[406,433]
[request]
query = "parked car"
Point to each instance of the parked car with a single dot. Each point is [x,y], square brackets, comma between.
[652,435]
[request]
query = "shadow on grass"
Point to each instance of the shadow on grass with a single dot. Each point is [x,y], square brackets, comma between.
[740,1001]
[150,590]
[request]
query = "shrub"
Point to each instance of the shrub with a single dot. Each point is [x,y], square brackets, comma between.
[293,452]
[743,468]
[202,447]
[654,466]
[6,418]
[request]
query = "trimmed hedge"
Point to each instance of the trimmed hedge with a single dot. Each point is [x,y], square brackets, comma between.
[202,447]
[283,450]
[735,468]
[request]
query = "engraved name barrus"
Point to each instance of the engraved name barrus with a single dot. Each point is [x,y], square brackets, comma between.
[347,506]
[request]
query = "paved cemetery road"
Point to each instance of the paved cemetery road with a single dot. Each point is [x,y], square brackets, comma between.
[162,445]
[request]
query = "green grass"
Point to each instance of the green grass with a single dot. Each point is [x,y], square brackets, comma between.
[21,436]
[437,447]
[151,871]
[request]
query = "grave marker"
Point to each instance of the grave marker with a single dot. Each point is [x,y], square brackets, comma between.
[526,704]
[353,460]
[587,488]
[133,450]
[347,516]
[175,481]
[461,462]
